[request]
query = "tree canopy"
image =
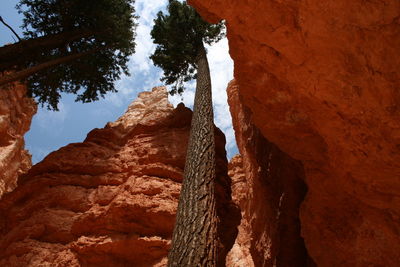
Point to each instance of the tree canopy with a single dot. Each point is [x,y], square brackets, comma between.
[98,35]
[179,36]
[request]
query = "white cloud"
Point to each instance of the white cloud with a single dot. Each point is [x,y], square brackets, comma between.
[144,75]
[144,48]
[221,68]
[187,96]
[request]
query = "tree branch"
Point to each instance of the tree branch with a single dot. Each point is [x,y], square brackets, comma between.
[14,55]
[8,26]
[19,75]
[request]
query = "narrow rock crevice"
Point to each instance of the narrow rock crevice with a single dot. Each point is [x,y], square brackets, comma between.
[269,187]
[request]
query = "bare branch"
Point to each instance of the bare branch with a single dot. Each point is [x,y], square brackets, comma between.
[8,26]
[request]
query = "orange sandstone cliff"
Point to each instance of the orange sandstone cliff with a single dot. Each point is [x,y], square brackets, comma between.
[110,200]
[16,111]
[321,80]
[269,187]
[316,109]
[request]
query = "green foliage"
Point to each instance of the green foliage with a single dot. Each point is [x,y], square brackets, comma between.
[179,36]
[107,32]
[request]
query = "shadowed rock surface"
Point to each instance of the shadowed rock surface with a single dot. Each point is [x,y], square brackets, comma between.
[268,186]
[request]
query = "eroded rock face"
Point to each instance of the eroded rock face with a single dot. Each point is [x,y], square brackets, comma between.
[108,201]
[16,112]
[268,186]
[322,80]
[240,255]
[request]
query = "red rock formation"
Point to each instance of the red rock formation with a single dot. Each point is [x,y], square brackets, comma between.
[109,201]
[268,186]
[240,255]
[16,111]
[322,80]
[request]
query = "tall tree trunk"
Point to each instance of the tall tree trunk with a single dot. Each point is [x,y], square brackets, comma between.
[19,75]
[16,54]
[194,241]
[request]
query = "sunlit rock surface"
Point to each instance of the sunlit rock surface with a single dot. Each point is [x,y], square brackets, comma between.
[322,79]
[110,200]
[16,112]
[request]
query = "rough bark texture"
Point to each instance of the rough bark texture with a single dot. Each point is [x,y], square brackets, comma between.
[269,188]
[108,201]
[16,112]
[195,240]
[322,80]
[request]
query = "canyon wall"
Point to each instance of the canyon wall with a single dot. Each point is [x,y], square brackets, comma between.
[16,112]
[268,186]
[110,200]
[321,79]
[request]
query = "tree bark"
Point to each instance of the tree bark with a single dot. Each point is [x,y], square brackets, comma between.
[194,241]
[15,54]
[19,75]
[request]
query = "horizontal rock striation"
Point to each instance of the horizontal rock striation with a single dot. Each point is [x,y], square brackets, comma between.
[110,200]
[322,80]
[16,112]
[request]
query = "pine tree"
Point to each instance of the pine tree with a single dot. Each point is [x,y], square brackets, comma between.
[71,46]
[180,52]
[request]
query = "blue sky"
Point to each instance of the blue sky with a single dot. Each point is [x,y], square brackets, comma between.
[51,130]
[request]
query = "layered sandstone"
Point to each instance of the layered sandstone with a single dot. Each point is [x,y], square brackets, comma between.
[268,186]
[110,200]
[322,80]
[16,112]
